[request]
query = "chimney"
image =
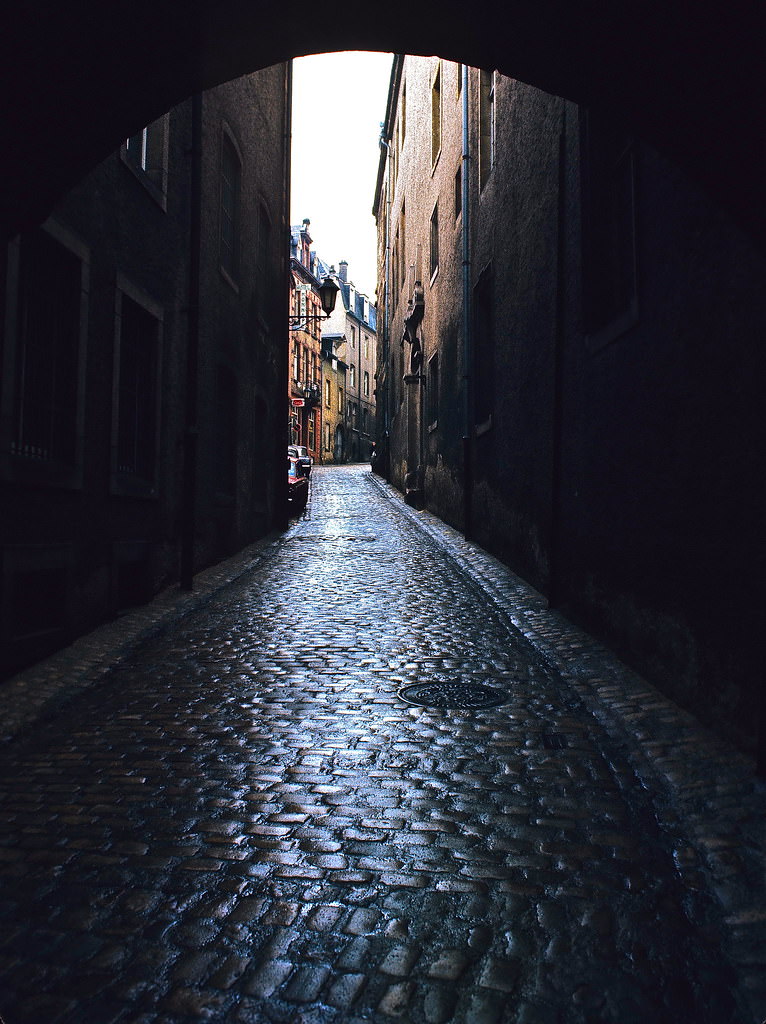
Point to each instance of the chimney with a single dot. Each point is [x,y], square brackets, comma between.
[343,271]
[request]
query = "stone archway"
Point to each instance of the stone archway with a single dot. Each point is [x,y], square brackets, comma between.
[690,80]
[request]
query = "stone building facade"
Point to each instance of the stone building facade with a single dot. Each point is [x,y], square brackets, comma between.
[333,397]
[354,323]
[304,384]
[142,367]
[570,360]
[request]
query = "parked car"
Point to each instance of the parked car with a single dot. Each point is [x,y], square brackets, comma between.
[297,486]
[301,452]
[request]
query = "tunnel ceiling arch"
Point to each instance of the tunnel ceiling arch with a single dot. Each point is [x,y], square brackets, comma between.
[76,79]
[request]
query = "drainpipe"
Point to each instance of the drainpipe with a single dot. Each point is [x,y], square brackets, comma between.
[467,322]
[554,571]
[281,519]
[191,429]
[387,304]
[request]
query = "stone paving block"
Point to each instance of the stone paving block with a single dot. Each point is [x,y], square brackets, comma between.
[399,960]
[247,909]
[484,1008]
[287,811]
[396,1001]
[194,1004]
[363,921]
[280,913]
[306,983]
[439,1004]
[345,989]
[355,955]
[500,975]
[325,917]
[193,967]
[449,965]
[267,978]
[229,972]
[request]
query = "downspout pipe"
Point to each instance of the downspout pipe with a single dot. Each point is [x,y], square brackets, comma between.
[559,338]
[385,144]
[281,435]
[467,318]
[385,172]
[191,428]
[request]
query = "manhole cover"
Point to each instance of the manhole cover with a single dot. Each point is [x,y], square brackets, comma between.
[452,695]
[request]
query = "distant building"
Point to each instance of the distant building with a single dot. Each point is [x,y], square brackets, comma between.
[334,371]
[355,322]
[305,409]
[570,370]
[135,439]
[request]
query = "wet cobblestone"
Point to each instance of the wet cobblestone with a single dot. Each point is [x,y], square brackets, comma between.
[220,809]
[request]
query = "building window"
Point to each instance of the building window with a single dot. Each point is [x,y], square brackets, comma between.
[340,401]
[327,437]
[432,390]
[226,431]
[47,352]
[231,184]
[138,341]
[364,421]
[146,153]
[484,351]
[312,431]
[434,242]
[610,276]
[327,393]
[366,347]
[366,386]
[436,114]
[486,125]
[353,337]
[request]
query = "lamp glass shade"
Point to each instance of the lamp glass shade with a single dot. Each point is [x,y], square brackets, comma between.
[328,293]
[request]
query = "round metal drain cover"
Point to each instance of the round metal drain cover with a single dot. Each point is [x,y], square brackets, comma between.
[452,695]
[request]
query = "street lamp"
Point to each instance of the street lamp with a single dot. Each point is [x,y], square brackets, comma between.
[328,293]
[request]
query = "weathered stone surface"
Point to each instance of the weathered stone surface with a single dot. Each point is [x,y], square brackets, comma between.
[245,816]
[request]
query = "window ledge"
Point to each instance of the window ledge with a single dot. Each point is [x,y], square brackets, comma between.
[158,194]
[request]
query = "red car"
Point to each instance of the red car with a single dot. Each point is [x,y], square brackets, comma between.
[297,486]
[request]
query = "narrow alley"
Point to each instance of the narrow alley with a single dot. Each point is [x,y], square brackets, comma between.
[249,817]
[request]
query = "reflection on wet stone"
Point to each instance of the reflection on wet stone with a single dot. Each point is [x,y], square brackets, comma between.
[246,822]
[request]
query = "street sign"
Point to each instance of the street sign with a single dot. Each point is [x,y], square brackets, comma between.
[298,402]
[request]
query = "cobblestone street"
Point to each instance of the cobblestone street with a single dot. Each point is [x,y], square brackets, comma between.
[242,820]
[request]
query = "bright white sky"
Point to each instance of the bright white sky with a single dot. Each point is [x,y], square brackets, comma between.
[334,170]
